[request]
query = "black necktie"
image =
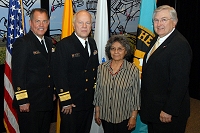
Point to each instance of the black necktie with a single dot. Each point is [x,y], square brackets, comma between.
[43,46]
[86,48]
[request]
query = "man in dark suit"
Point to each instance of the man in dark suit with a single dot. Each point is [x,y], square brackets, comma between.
[31,78]
[75,75]
[165,101]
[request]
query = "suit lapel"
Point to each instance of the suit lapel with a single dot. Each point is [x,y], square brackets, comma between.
[145,56]
[158,51]
[92,48]
[49,47]
[38,44]
[78,46]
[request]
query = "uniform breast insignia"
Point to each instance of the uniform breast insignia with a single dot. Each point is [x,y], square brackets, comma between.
[75,55]
[164,46]
[53,49]
[36,52]
[18,88]
[95,84]
[95,52]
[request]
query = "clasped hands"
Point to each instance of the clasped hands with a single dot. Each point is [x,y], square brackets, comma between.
[131,123]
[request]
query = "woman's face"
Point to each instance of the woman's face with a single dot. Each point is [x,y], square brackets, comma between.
[117,51]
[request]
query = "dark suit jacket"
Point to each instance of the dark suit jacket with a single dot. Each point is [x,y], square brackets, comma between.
[165,79]
[75,73]
[31,73]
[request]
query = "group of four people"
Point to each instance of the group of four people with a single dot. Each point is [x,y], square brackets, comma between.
[72,71]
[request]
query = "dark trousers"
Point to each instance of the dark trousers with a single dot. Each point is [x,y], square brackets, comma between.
[176,126]
[115,128]
[77,122]
[34,121]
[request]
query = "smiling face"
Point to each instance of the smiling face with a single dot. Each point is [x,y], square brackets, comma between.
[39,23]
[117,51]
[162,28]
[82,24]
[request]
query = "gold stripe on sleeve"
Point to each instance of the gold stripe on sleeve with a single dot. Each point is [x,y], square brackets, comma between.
[64,96]
[21,94]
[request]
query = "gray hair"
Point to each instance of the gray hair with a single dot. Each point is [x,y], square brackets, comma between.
[75,15]
[171,10]
[122,40]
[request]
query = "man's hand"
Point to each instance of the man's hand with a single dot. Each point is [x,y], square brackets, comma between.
[54,97]
[164,117]
[24,107]
[68,109]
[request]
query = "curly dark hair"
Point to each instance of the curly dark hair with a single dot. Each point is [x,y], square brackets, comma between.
[122,40]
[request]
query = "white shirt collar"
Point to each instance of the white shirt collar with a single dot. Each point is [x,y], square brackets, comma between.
[39,37]
[82,40]
[162,39]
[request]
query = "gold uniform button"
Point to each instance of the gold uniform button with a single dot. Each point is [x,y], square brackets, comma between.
[94,78]
[61,90]
[93,69]
[49,86]
[85,70]
[85,89]
[18,88]
[49,76]
[86,80]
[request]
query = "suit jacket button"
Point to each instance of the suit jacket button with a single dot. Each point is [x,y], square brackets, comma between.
[86,80]
[85,89]
[85,71]
[49,76]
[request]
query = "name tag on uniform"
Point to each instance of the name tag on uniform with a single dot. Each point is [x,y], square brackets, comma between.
[95,52]
[36,52]
[53,50]
[75,55]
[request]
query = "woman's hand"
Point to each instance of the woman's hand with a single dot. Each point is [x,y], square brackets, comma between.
[97,114]
[131,123]
[97,119]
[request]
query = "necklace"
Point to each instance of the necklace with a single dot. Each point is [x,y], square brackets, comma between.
[117,70]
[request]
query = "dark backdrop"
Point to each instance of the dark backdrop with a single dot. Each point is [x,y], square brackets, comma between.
[188,24]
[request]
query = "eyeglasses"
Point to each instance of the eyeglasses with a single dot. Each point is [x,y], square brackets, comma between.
[118,49]
[162,20]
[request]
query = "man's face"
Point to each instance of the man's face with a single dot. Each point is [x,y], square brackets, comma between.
[163,24]
[82,24]
[39,24]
